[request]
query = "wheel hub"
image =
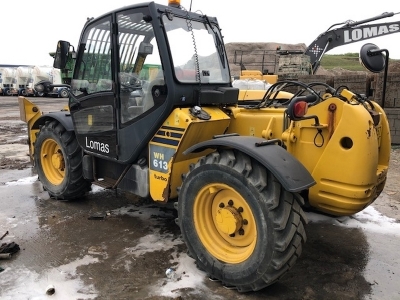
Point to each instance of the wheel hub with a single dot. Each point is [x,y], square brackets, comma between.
[57,161]
[228,220]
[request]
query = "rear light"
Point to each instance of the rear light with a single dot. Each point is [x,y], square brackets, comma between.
[300,109]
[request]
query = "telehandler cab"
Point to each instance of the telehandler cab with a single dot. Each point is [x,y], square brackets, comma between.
[152,112]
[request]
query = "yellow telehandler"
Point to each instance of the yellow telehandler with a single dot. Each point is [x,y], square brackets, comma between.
[152,112]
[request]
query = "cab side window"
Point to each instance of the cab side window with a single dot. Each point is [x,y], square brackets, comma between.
[95,70]
[94,76]
[139,63]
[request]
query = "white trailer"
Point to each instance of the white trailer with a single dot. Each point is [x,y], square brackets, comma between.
[23,77]
[43,73]
[7,80]
[39,73]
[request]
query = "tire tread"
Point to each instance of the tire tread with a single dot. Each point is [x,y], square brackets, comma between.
[283,207]
[76,185]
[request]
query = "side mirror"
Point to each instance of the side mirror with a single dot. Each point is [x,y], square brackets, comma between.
[61,56]
[372,58]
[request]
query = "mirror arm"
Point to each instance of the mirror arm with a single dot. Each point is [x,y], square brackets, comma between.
[373,52]
[385,76]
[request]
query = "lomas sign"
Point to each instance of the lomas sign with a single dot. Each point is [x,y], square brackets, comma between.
[357,34]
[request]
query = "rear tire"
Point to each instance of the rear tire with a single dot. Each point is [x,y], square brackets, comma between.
[58,162]
[237,221]
[64,93]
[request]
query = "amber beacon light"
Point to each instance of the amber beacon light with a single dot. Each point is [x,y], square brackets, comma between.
[174,3]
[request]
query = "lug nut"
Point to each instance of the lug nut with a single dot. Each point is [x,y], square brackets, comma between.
[241,231]
[221,205]
[230,203]
[245,222]
[240,209]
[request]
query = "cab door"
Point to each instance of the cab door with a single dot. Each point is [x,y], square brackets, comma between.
[93,104]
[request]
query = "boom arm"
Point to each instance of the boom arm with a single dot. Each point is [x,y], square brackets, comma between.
[349,33]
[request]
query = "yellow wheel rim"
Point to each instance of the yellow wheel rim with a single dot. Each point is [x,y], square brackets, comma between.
[225,223]
[52,161]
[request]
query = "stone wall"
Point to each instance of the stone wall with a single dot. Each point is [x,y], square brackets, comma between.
[393,115]
[392,101]
[392,97]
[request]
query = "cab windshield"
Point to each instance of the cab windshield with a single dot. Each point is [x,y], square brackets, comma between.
[197,51]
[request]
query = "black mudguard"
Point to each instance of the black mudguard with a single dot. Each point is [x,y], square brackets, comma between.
[293,176]
[64,117]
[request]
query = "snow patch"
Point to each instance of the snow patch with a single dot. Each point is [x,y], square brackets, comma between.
[188,277]
[21,283]
[153,242]
[369,220]
[23,181]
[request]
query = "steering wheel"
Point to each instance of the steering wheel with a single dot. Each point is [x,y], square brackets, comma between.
[130,81]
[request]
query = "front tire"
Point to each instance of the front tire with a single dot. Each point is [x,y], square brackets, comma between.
[58,162]
[237,221]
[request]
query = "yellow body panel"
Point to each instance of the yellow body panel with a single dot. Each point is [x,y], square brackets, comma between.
[347,154]
[265,122]
[248,95]
[342,155]
[179,131]
[29,113]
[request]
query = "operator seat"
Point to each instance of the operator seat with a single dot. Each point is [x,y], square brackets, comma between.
[148,101]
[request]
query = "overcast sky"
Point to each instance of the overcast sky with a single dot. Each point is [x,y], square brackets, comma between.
[33,32]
